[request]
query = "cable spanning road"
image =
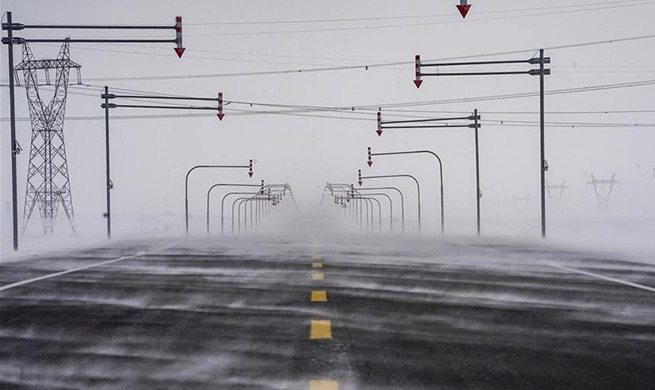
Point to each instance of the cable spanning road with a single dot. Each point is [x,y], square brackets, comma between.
[337,314]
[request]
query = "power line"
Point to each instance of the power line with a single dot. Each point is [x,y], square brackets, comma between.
[590,88]
[335,29]
[361,66]
[368,66]
[363,19]
[300,110]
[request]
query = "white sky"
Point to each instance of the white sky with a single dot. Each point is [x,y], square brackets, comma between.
[151,156]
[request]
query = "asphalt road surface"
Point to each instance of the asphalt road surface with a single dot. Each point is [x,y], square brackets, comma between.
[349,314]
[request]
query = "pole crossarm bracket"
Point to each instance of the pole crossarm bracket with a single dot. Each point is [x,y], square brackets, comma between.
[430,123]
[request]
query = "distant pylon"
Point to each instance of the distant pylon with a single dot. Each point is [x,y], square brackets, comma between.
[603,189]
[556,191]
[521,204]
[48,183]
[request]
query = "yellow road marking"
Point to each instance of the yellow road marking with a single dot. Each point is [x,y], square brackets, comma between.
[317,264]
[319,296]
[320,330]
[318,276]
[323,385]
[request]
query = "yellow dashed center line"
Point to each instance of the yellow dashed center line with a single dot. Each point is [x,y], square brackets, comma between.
[319,296]
[320,330]
[323,385]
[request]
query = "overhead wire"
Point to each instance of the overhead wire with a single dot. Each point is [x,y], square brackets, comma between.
[472,20]
[361,19]
[363,66]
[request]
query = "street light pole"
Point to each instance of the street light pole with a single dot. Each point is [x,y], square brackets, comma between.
[418,188]
[12,124]
[370,163]
[223,204]
[372,219]
[108,183]
[477,168]
[380,211]
[224,185]
[402,200]
[544,164]
[349,197]
[186,184]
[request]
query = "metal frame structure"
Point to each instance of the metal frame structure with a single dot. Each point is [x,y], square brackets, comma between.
[228,185]
[603,198]
[48,181]
[541,72]
[441,187]
[418,188]
[402,200]
[10,40]
[186,184]
[350,195]
[556,191]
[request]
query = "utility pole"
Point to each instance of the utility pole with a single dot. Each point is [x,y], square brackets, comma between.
[541,72]
[430,124]
[106,96]
[12,121]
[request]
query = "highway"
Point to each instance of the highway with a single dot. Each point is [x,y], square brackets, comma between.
[338,313]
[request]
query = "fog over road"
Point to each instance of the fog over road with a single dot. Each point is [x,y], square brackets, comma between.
[410,314]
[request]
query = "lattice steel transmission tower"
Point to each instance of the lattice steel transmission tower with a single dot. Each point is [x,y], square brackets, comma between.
[603,190]
[48,182]
[556,191]
[522,203]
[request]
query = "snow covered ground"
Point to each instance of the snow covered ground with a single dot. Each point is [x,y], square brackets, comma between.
[411,313]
